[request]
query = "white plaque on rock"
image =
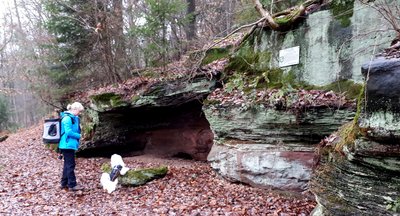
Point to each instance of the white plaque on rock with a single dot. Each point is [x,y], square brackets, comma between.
[289,56]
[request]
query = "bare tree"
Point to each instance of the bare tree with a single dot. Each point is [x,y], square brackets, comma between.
[119,40]
[191,13]
[390,11]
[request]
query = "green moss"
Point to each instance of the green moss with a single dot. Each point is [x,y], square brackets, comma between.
[281,5]
[269,78]
[246,60]
[102,97]
[150,74]
[210,102]
[342,10]
[249,70]
[348,133]
[88,130]
[360,101]
[215,54]
[348,87]
[276,78]
[89,121]
[284,20]
[287,20]
[109,99]
[394,206]
[139,176]
[135,98]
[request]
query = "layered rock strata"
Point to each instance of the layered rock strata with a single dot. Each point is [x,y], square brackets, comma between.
[269,148]
[361,176]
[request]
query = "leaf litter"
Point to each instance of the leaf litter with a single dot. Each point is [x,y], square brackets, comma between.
[30,175]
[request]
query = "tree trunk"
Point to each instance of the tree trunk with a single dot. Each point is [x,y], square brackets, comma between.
[175,43]
[191,27]
[17,13]
[120,52]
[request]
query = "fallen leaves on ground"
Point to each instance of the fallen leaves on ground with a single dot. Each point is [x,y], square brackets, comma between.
[30,175]
[290,100]
[392,52]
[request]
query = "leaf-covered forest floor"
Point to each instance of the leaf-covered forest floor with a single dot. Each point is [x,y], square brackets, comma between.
[29,185]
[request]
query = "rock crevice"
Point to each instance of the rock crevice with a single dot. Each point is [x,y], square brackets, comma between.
[166,119]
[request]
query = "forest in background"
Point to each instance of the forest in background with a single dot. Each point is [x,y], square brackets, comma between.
[52,48]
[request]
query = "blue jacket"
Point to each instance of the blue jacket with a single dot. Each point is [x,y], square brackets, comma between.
[71,133]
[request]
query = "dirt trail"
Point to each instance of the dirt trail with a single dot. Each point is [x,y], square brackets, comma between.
[29,185]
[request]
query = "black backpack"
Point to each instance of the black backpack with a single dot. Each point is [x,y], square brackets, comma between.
[52,130]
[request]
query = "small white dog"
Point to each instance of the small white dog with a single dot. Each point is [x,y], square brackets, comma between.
[117,160]
[110,181]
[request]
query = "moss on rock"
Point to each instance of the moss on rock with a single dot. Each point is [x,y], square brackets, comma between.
[342,10]
[135,98]
[139,176]
[348,134]
[108,100]
[268,78]
[89,123]
[394,206]
[348,87]
[246,60]
[215,54]
[288,19]
[251,70]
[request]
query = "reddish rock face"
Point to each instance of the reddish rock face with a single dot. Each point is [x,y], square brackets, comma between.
[182,132]
[190,139]
[304,158]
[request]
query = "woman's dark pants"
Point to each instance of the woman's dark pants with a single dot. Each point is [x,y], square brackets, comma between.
[68,176]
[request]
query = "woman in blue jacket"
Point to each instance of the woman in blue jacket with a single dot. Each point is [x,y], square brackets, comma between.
[69,143]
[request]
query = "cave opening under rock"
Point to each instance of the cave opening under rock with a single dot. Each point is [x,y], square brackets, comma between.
[171,131]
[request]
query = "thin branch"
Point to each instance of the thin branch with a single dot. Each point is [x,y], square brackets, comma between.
[49,103]
[5,43]
[203,52]
[385,9]
[236,30]
[82,22]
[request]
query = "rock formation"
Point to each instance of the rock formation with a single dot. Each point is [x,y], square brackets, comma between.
[165,119]
[270,148]
[359,168]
